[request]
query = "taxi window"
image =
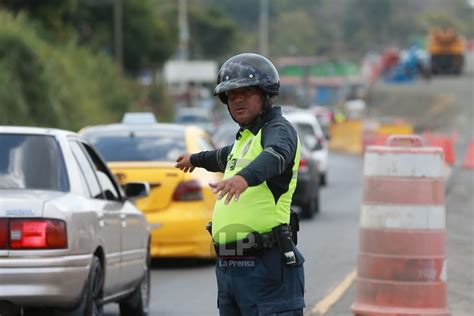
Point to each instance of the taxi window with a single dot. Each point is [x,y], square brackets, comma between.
[32,162]
[163,145]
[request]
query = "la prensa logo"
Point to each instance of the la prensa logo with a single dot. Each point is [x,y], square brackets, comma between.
[233,257]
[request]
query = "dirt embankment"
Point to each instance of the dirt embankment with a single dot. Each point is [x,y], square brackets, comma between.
[442,104]
[422,104]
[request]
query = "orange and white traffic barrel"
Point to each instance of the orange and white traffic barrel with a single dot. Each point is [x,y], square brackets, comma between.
[401,266]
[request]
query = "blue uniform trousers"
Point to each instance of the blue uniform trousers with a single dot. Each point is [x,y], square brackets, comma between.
[260,286]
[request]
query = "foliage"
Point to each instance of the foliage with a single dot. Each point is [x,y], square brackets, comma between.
[212,32]
[45,85]
[51,15]
[147,40]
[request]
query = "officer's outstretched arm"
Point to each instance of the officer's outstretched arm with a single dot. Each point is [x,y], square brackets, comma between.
[184,163]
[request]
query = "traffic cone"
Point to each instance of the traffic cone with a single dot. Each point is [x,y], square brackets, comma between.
[469,156]
[445,142]
[401,269]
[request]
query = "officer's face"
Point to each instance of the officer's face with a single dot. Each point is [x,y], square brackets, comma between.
[245,104]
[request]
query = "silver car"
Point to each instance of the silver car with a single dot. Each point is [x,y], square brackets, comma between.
[70,238]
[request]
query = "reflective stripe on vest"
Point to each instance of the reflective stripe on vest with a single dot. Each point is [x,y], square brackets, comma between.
[256,209]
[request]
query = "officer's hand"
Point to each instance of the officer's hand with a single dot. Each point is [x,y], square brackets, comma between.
[184,163]
[231,187]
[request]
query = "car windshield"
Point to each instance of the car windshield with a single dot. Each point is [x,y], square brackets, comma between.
[157,145]
[31,162]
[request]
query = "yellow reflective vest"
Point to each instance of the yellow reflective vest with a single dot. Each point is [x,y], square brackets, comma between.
[256,210]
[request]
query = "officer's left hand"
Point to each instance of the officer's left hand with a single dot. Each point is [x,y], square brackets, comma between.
[231,187]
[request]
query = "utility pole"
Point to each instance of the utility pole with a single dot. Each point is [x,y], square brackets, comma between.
[118,32]
[183,53]
[264,7]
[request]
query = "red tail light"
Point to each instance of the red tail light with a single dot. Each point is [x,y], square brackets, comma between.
[37,234]
[188,191]
[303,167]
[3,233]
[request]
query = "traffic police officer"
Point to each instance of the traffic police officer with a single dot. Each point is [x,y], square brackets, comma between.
[259,269]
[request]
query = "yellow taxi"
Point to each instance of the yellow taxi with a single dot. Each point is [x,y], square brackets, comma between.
[180,204]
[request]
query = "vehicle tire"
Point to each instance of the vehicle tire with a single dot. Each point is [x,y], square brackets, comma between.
[311,207]
[137,304]
[323,179]
[90,303]
[316,207]
[9,309]
[94,289]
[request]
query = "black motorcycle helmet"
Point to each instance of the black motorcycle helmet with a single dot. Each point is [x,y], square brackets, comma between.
[248,70]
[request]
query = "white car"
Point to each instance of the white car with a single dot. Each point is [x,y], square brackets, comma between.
[70,239]
[313,138]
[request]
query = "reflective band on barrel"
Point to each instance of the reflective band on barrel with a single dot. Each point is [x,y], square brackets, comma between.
[402,190]
[402,216]
[405,164]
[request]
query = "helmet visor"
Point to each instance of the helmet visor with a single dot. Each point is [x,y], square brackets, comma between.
[235,84]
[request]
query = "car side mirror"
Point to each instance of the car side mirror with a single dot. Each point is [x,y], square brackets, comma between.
[136,189]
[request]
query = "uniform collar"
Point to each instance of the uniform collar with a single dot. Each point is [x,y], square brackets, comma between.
[255,126]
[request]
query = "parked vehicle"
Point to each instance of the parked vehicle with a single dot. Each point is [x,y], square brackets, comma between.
[70,238]
[180,204]
[312,136]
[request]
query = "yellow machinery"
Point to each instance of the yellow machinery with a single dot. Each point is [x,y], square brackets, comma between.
[446,48]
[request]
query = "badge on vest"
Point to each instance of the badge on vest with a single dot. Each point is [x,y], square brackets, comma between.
[232,162]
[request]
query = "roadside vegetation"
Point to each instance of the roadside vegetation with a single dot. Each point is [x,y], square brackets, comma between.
[58,86]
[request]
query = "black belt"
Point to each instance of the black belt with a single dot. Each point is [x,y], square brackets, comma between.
[254,244]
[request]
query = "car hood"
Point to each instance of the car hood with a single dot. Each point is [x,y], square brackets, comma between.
[25,203]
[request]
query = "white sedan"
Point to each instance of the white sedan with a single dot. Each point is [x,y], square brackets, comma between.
[70,238]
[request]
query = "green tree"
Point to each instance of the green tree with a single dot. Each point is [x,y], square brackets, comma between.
[148,40]
[213,34]
[55,85]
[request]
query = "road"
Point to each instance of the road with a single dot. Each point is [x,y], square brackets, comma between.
[329,241]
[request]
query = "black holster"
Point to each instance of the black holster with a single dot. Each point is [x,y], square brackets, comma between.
[295,226]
